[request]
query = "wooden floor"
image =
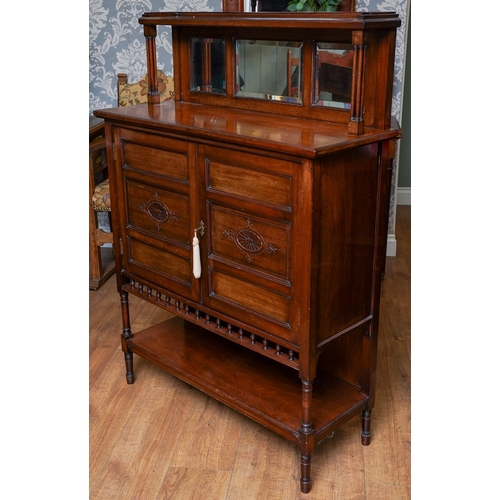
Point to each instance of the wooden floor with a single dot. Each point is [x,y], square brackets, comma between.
[161,439]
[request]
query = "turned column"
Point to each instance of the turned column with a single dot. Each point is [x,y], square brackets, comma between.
[356,123]
[150,34]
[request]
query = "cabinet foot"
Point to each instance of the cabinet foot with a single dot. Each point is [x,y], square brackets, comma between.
[305,469]
[129,364]
[366,419]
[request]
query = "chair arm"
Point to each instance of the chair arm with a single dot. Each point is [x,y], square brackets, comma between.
[96,145]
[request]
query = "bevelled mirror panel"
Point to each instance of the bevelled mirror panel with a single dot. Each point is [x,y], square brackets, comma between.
[208,65]
[270,70]
[333,79]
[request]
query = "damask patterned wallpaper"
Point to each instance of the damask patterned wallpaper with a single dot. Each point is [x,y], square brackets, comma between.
[117,45]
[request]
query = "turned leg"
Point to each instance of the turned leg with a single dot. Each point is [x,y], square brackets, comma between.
[129,365]
[306,444]
[305,473]
[366,419]
[127,335]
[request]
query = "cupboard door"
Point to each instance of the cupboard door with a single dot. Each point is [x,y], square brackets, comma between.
[247,248]
[156,180]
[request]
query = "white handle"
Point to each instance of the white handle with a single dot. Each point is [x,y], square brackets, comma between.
[196,257]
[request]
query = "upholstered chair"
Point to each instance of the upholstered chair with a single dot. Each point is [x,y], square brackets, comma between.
[100,242]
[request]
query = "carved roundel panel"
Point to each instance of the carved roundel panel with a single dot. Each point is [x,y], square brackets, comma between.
[249,240]
[157,210]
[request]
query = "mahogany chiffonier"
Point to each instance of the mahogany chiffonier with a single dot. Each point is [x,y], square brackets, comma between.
[255,208]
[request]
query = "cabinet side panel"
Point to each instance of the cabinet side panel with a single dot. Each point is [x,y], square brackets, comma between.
[346,235]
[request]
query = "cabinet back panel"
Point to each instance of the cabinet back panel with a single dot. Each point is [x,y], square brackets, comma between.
[345,357]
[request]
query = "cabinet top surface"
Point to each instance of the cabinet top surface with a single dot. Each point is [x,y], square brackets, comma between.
[298,136]
[312,20]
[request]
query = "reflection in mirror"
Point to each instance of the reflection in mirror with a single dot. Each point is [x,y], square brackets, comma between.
[333,79]
[269,70]
[208,65]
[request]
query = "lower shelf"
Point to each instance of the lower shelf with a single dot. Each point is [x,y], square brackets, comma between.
[265,391]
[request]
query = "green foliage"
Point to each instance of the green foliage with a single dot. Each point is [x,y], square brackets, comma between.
[313,5]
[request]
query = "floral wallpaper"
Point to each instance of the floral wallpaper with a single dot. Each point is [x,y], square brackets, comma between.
[117,45]
[402,8]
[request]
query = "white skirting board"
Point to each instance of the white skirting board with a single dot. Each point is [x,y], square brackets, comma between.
[404,196]
[391,246]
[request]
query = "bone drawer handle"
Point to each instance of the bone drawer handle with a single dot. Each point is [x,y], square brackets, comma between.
[196,250]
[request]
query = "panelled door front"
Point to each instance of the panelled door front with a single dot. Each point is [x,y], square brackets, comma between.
[155,185]
[248,244]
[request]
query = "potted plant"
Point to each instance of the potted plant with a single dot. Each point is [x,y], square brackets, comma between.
[313,5]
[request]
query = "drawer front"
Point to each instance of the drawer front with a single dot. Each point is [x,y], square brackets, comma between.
[158,212]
